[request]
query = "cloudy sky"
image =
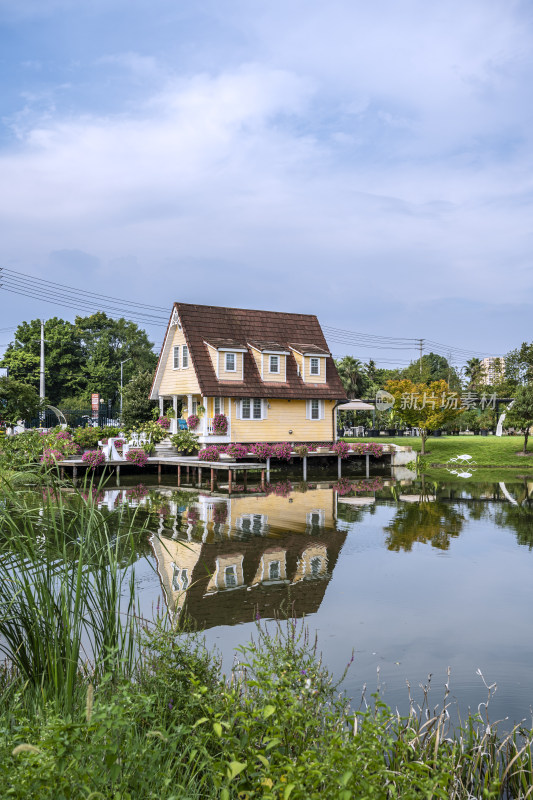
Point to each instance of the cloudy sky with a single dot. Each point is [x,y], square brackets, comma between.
[367,162]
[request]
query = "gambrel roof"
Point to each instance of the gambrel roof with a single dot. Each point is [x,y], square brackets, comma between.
[242,329]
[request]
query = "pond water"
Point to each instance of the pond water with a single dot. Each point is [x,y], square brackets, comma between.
[411,577]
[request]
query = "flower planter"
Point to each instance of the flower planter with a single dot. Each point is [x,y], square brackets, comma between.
[399,433]
[391,431]
[323,450]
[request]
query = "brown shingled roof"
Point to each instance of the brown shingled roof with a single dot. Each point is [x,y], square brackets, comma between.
[213,323]
[309,348]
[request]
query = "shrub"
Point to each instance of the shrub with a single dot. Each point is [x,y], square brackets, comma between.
[187,441]
[368,448]
[93,458]
[236,450]
[262,450]
[341,449]
[137,456]
[220,424]
[51,457]
[209,453]
[282,450]
[193,421]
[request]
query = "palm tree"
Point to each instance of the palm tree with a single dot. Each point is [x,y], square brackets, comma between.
[474,371]
[352,375]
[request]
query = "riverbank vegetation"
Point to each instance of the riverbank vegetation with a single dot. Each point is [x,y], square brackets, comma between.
[98,702]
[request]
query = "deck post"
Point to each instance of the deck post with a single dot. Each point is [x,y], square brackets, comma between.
[118,474]
[268,470]
[245,479]
[304,460]
[339,466]
[367,458]
[188,474]
[159,472]
[212,479]
[62,473]
[229,481]
[179,475]
[74,472]
[263,480]
[199,476]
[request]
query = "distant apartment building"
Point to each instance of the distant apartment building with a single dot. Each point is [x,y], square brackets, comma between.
[493,370]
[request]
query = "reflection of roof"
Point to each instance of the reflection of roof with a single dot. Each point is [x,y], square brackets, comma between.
[214,324]
[231,607]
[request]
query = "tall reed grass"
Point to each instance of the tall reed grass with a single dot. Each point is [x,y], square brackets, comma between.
[67,588]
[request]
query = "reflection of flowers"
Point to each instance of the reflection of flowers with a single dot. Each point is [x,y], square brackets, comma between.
[281,489]
[344,486]
[193,516]
[136,492]
[220,513]
[93,458]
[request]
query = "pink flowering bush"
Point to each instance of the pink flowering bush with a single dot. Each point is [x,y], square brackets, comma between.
[220,514]
[93,458]
[163,422]
[282,450]
[209,453]
[220,424]
[51,457]
[137,492]
[341,449]
[344,486]
[137,456]
[193,421]
[236,450]
[261,449]
[193,516]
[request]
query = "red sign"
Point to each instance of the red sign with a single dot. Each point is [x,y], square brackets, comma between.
[95,404]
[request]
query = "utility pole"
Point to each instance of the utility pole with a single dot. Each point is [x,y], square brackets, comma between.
[41,374]
[421,345]
[121,381]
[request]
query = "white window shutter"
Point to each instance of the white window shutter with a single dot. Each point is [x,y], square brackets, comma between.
[322,409]
[264,409]
[237,409]
[308,409]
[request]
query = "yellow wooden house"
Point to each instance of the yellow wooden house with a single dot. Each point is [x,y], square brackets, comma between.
[269,373]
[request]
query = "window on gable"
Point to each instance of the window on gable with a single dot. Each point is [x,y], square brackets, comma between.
[230,362]
[184,356]
[274,364]
[315,366]
[177,357]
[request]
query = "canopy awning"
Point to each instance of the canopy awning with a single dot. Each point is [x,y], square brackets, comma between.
[356,405]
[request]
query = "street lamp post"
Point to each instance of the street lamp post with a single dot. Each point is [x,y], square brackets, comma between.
[121,383]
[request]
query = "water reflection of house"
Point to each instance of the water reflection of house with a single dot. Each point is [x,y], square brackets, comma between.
[269,555]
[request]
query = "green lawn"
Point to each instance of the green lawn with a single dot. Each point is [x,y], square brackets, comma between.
[487,451]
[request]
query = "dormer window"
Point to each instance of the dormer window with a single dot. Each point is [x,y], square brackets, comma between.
[273,365]
[315,366]
[230,362]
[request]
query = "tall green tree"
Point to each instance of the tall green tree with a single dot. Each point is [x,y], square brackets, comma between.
[80,357]
[137,407]
[18,400]
[432,367]
[520,416]
[474,372]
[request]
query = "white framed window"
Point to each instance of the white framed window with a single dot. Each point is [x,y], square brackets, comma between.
[176,357]
[231,365]
[252,408]
[273,364]
[252,523]
[194,408]
[184,357]
[315,366]
[219,405]
[316,566]
[315,409]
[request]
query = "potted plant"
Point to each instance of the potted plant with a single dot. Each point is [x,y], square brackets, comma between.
[185,442]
